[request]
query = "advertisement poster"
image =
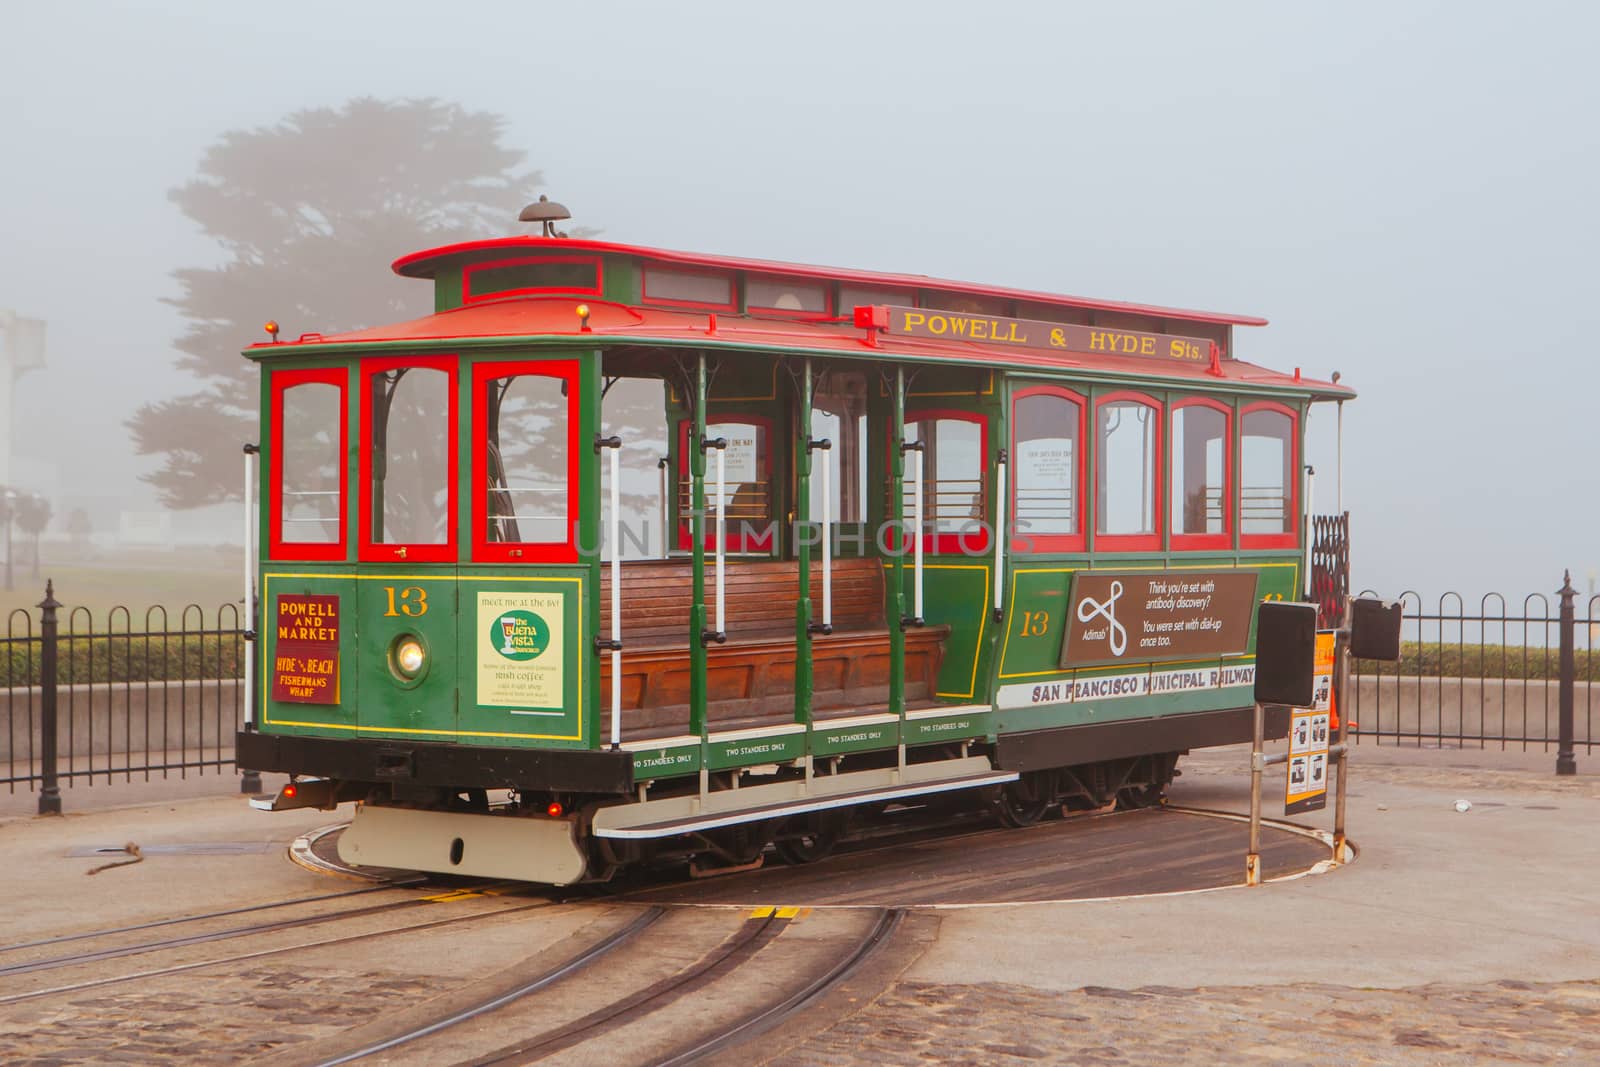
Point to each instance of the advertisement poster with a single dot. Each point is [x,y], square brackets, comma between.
[1306,787]
[1129,618]
[520,651]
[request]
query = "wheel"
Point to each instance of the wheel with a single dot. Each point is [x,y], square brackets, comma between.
[1025,801]
[813,839]
[1135,797]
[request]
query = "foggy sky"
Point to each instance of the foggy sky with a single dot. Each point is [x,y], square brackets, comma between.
[1405,190]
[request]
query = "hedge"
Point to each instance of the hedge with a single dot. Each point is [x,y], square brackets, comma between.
[132,659]
[1433,659]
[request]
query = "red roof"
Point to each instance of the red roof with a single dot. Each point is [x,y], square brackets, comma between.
[556,316]
[423,264]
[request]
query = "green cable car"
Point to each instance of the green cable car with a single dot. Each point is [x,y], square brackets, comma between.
[627,554]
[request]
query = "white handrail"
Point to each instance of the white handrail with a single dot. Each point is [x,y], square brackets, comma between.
[722,536]
[666,510]
[827,538]
[916,544]
[1000,531]
[616,595]
[249,615]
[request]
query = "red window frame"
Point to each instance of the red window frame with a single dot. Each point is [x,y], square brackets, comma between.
[789,313]
[737,542]
[280,547]
[501,294]
[367,550]
[1291,537]
[1150,542]
[484,550]
[1185,541]
[646,298]
[1022,540]
[972,543]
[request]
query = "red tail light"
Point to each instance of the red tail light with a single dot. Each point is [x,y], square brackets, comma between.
[291,791]
[554,809]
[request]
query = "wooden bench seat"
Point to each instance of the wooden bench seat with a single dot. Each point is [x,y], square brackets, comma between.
[752,675]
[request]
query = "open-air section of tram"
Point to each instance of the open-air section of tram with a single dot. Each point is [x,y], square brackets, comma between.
[626,555]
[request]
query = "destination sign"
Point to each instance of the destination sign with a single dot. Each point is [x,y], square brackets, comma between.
[1052,336]
[305,660]
[1126,618]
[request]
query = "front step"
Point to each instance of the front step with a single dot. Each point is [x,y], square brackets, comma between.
[690,814]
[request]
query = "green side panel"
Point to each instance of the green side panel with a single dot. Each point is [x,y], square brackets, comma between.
[394,601]
[956,593]
[292,717]
[769,748]
[447,288]
[922,731]
[833,740]
[1036,617]
[619,279]
[526,657]
[670,762]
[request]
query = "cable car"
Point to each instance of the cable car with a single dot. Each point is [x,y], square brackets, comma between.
[626,554]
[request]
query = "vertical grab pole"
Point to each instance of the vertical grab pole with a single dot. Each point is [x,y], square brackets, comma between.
[916,545]
[616,594]
[1252,862]
[697,547]
[249,614]
[827,537]
[1000,534]
[722,538]
[896,594]
[1307,532]
[1341,687]
[666,508]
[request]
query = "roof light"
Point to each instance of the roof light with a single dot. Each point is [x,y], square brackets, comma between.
[271,326]
[546,213]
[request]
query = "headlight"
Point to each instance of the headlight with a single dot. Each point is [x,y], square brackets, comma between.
[409,657]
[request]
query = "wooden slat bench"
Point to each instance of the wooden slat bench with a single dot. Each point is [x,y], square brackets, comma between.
[751,677]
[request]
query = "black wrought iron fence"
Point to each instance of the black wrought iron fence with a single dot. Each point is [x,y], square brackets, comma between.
[1491,674]
[89,700]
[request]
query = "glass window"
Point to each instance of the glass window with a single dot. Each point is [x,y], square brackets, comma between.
[854,296]
[1199,470]
[526,456]
[952,473]
[410,450]
[556,275]
[777,294]
[841,401]
[683,287]
[1266,490]
[311,446]
[1125,467]
[1045,464]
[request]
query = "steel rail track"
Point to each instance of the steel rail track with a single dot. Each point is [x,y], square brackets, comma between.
[54,962]
[760,1022]
[562,970]
[263,953]
[42,942]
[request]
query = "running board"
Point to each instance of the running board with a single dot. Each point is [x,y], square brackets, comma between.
[757,803]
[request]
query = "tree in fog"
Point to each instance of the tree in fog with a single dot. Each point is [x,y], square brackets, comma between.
[309,213]
[33,515]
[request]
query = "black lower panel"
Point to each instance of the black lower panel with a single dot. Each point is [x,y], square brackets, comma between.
[1069,746]
[425,764]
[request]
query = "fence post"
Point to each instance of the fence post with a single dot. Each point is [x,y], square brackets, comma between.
[50,793]
[1565,763]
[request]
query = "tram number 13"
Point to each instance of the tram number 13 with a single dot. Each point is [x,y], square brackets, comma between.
[1034,624]
[412,601]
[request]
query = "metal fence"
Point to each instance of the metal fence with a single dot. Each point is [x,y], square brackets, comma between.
[121,698]
[1503,674]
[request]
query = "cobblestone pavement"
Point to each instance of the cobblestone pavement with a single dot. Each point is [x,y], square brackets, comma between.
[919,1023]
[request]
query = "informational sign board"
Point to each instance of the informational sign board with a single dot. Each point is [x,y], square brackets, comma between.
[521,660]
[1136,617]
[1306,786]
[1036,333]
[305,662]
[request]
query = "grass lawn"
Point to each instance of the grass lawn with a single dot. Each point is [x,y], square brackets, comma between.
[202,578]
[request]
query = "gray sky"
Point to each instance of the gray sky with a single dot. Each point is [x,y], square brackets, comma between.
[1405,190]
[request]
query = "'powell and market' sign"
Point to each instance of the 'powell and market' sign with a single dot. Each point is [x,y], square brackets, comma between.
[1034,333]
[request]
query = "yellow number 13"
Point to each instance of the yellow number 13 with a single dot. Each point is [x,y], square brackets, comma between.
[413,601]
